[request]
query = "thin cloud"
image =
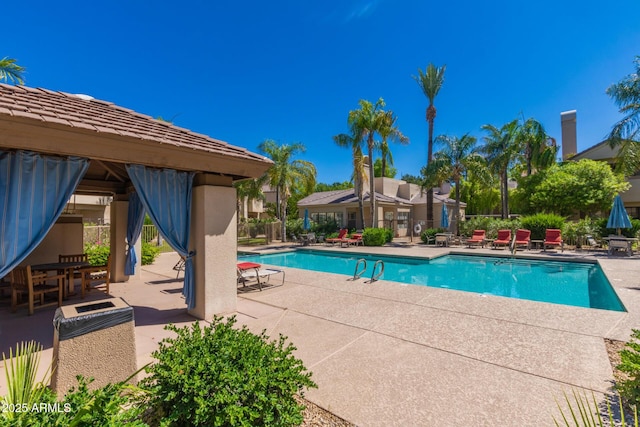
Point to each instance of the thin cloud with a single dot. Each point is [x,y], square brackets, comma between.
[362,10]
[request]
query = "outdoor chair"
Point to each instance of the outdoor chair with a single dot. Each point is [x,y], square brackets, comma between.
[523,238]
[591,242]
[504,238]
[477,238]
[24,281]
[355,240]
[73,258]
[444,239]
[553,238]
[94,275]
[341,235]
[248,271]
[179,266]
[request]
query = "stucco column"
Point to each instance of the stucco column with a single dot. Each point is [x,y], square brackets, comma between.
[214,240]
[118,232]
[118,236]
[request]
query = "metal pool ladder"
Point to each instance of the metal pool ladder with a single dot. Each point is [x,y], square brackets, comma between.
[375,276]
[357,274]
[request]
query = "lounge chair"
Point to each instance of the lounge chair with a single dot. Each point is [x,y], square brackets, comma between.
[504,238]
[248,271]
[523,238]
[341,235]
[355,240]
[478,238]
[553,238]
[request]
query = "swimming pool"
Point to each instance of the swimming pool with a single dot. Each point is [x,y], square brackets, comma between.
[569,283]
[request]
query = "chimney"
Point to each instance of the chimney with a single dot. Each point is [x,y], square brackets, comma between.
[569,137]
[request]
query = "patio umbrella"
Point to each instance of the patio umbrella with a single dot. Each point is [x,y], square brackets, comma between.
[618,217]
[306,225]
[444,218]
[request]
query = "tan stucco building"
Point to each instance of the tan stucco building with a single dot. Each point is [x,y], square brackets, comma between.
[401,206]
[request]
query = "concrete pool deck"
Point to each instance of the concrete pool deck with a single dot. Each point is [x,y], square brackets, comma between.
[389,354]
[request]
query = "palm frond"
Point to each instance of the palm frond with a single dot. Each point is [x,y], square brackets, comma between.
[10,71]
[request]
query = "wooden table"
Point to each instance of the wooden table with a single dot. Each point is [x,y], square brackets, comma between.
[67,267]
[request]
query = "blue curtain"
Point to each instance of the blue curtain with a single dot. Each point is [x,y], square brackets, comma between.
[166,196]
[135,220]
[34,190]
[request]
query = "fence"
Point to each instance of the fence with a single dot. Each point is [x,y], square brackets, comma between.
[100,235]
[258,233]
[97,235]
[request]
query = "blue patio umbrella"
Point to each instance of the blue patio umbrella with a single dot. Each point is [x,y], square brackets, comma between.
[618,218]
[306,224]
[444,218]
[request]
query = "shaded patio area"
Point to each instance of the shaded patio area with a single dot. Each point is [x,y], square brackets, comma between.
[389,354]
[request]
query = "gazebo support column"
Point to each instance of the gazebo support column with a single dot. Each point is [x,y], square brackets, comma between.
[119,220]
[214,239]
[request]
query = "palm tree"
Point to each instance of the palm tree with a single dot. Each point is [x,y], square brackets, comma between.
[355,143]
[250,189]
[539,148]
[458,157]
[502,147]
[365,123]
[430,81]
[10,71]
[389,132]
[626,133]
[286,174]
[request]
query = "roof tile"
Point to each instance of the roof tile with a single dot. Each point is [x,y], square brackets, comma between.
[105,117]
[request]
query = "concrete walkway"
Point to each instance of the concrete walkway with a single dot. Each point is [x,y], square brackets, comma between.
[389,354]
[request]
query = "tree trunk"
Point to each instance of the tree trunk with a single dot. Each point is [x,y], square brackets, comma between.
[504,190]
[457,208]
[430,190]
[284,219]
[360,201]
[372,196]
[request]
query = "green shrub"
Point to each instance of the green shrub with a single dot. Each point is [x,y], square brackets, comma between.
[629,388]
[327,227]
[97,254]
[574,233]
[374,236]
[586,412]
[477,223]
[295,227]
[222,376]
[539,223]
[149,253]
[110,405]
[490,225]
[389,235]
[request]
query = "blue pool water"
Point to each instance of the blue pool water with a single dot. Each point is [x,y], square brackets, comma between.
[568,283]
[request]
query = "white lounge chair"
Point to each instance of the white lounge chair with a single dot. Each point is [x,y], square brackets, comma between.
[258,274]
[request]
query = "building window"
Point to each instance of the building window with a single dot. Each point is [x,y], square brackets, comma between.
[325,217]
[403,220]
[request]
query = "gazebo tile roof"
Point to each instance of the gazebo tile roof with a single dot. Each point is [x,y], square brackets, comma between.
[83,112]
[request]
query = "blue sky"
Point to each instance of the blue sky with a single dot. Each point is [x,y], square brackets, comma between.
[245,71]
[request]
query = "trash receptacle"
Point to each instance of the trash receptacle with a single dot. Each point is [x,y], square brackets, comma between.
[94,339]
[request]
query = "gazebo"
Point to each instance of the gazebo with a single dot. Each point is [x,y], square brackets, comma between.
[55,144]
